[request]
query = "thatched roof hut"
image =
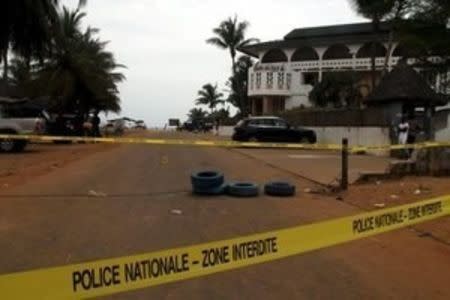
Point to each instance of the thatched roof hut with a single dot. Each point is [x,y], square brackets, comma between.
[405,85]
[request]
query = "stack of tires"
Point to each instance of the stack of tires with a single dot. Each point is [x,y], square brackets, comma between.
[208,183]
[213,183]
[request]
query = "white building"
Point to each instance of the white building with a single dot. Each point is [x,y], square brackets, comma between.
[288,69]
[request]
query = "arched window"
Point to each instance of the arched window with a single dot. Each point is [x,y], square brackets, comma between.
[366,50]
[274,56]
[305,54]
[337,51]
[403,51]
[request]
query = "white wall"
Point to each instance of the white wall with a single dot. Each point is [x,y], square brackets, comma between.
[226,130]
[357,136]
[443,135]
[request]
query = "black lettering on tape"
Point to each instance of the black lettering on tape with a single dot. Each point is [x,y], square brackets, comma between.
[156,267]
[95,278]
[253,249]
[363,225]
[216,256]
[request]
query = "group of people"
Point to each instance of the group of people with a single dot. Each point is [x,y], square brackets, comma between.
[78,125]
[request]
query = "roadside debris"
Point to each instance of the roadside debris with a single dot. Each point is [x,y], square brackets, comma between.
[164,160]
[379,205]
[319,190]
[394,197]
[93,193]
[422,190]
[176,212]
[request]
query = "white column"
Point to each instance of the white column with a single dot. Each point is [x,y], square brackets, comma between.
[438,82]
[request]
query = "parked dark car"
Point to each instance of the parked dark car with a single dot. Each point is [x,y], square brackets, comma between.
[271,129]
[202,125]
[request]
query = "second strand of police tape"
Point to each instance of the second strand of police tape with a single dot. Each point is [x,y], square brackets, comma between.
[231,144]
[112,276]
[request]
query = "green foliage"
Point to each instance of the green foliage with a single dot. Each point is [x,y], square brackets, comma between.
[231,35]
[238,84]
[337,89]
[209,96]
[79,74]
[376,10]
[421,26]
[221,114]
[26,28]
[197,114]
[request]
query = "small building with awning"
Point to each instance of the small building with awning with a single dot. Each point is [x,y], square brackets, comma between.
[404,92]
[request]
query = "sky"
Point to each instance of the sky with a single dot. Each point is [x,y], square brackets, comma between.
[162,43]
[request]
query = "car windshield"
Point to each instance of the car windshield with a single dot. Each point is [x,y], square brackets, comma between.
[206,149]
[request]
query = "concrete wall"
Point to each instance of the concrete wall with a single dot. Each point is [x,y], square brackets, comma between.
[226,130]
[443,129]
[358,136]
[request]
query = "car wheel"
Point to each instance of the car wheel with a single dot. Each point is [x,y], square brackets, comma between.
[304,140]
[19,146]
[10,145]
[280,189]
[6,145]
[243,189]
[253,139]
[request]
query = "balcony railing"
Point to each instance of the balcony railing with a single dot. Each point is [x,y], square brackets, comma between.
[269,83]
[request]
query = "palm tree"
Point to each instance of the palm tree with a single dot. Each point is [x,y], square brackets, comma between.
[26,28]
[231,35]
[209,96]
[80,74]
[374,10]
[238,84]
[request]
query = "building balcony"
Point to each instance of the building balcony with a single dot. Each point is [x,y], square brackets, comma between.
[274,80]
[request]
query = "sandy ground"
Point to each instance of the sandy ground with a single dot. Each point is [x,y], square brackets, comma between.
[41,159]
[50,216]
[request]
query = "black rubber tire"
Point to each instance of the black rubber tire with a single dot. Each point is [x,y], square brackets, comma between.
[207,180]
[243,189]
[19,146]
[280,189]
[215,191]
[253,139]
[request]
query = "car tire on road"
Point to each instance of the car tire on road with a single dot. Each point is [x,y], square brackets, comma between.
[19,146]
[207,180]
[10,146]
[280,189]
[243,189]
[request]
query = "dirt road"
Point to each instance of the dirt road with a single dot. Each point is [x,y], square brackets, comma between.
[119,202]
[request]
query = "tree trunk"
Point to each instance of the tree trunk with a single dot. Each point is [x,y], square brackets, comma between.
[5,64]
[374,54]
[395,20]
[388,51]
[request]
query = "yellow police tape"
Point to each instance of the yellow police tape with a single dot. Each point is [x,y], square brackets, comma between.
[110,276]
[226,144]
[172,142]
